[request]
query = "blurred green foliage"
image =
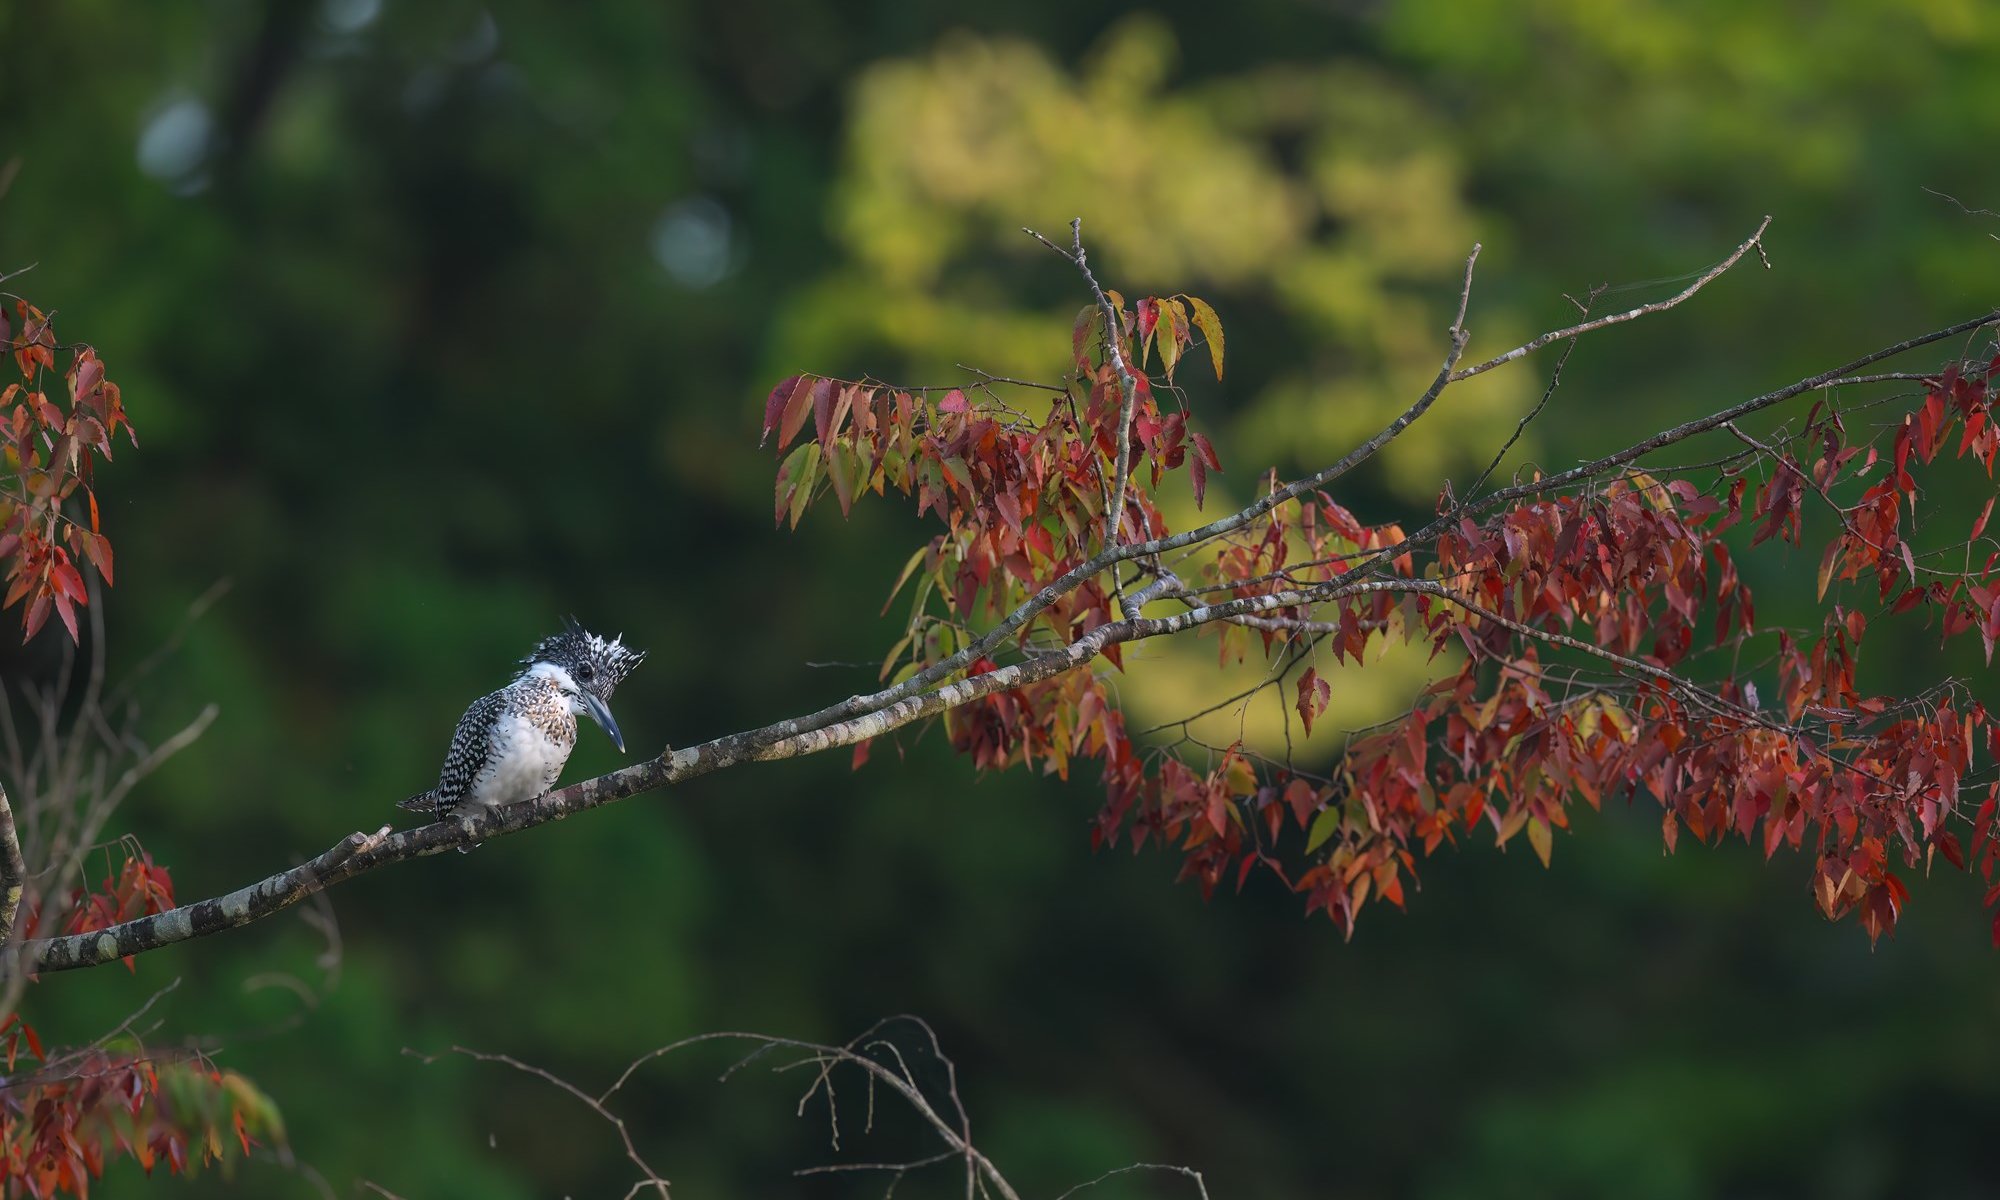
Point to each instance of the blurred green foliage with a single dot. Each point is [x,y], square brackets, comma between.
[438,321]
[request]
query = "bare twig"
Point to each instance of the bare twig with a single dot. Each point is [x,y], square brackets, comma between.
[1200,1187]
[652,1178]
[1707,277]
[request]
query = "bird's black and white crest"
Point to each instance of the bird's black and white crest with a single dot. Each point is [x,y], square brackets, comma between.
[593,662]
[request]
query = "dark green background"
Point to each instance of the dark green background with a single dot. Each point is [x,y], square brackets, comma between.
[406,371]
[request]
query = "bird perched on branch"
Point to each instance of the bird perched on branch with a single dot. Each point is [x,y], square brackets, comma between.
[511,744]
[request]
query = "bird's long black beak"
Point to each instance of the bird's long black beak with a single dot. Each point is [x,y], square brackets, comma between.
[600,712]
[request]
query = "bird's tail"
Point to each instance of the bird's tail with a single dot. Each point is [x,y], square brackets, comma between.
[423,802]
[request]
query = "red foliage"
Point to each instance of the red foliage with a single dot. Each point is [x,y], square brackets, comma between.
[1576,614]
[67,1115]
[48,452]
[139,889]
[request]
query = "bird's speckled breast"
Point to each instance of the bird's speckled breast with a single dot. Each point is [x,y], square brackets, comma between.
[531,741]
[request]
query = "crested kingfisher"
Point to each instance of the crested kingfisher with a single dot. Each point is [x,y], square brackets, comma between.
[511,744]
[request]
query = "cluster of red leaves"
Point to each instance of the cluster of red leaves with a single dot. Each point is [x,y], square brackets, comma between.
[1575,614]
[48,451]
[1874,529]
[140,888]
[1022,498]
[63,1117]
[1869,782]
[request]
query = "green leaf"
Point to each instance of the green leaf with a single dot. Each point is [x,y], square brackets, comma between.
[1079,337]
[789,473]
[1323,827]
[808,478]
[909,569]
[844,467]
[895,652]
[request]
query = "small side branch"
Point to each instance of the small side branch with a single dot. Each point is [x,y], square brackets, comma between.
[1688,429]
[1128,385]
[652,1180]
[1754,241]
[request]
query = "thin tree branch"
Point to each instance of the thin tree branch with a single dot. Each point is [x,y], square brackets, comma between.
[653,1179]
[1114,517]
[1199,1185]
[1707,277]
[1688,429]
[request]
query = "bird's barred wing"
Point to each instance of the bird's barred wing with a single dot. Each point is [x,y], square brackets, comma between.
[471,745]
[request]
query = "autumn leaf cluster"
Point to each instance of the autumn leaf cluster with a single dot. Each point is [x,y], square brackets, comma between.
[54,426]
[1599,638]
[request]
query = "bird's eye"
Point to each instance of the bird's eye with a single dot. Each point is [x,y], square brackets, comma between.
[586,673]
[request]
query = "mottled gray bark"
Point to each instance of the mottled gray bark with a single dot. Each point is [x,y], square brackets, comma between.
[13,871]
[361,852]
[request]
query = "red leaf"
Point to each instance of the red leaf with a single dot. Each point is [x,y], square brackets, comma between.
[830,414]
[823,415]
[1206,452]
[1314,693]
[774,405]
[97,548]
[38,612]
[954,402]
[68,614]
[803,401]
[68,581]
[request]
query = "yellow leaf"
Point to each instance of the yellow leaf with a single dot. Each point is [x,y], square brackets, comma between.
[1540,838]
[1211,330]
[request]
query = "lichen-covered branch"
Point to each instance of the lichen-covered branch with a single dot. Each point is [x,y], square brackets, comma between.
[13,870]
[360,852]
